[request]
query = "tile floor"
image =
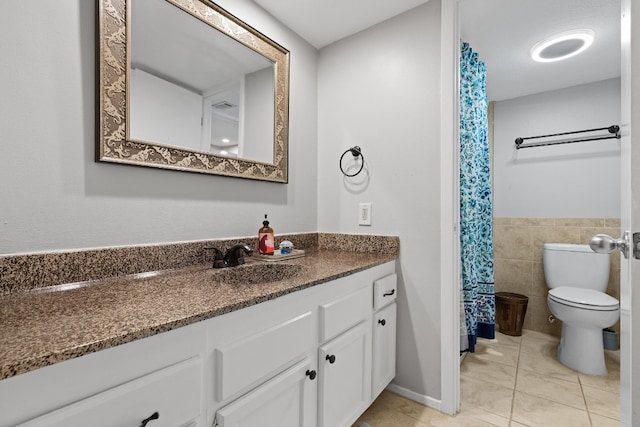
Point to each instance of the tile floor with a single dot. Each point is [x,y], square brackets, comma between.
[514,381]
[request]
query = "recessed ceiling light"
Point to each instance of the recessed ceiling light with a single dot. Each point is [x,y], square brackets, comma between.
[562,46]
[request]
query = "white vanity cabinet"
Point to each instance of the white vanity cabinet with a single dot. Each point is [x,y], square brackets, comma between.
[311,358]
[117,387]
[384,333]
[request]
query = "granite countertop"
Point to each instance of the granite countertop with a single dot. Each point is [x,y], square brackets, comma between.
[43,327]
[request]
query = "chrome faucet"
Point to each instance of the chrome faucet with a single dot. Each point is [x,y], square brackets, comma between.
[235,254]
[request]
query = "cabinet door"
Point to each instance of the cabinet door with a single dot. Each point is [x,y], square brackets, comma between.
[384,349]
[288,400]
[245,363]
[344,387]
[168,398]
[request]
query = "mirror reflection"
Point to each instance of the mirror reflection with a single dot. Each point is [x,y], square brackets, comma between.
[194,87]
[185,85]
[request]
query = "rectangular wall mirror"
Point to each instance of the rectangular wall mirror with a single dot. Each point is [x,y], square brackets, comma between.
[185,85]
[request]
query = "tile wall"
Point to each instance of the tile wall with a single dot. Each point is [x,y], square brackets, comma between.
[518,259]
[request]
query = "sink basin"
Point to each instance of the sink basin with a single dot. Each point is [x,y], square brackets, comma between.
[249,274]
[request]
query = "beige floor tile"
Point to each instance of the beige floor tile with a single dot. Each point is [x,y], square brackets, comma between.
[501,340]
[528,335]
[546,366]
[612,358]
[388,419]
[393,410]
[478,420]
[600,421]
[506,356]
[388,411]
[535,411]
[602,402]
[390,401]
[560,391]
[480,417]
[479,394]
[424,414]
[474,418]
[493,372]
[547,393]
[609,382]
[546,348]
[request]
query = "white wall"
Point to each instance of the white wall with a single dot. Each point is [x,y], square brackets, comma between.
[164,112]
[259,109]
[52,193]
[380,90]
[578,180]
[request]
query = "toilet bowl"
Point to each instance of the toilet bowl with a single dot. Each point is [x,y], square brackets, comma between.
[577,278]
[584,313]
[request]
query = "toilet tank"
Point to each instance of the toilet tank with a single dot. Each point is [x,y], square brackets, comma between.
[576,266]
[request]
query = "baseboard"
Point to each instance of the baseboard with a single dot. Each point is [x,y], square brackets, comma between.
[416,397]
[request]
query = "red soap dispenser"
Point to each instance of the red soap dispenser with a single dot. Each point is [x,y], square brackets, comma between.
[266,240]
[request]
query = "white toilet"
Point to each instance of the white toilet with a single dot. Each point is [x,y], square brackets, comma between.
[577,279]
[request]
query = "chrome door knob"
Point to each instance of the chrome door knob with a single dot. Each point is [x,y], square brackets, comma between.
[604,244]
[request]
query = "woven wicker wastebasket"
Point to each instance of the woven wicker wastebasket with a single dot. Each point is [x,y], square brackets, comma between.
[510,311]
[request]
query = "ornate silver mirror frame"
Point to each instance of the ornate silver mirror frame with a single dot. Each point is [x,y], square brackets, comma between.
[113,140]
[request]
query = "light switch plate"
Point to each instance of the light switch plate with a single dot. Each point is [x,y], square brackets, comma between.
[364,214]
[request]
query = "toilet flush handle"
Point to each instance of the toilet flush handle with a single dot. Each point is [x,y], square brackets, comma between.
[605,244]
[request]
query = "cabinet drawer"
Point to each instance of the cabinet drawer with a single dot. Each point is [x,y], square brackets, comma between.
[252,360]
[174,393]
[384,291]
[340,315]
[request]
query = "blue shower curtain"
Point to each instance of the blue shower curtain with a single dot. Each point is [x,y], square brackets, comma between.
[476,234]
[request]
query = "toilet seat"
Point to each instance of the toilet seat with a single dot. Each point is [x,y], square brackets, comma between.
[586,299]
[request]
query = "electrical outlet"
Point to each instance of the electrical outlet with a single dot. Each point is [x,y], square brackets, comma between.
[364,214]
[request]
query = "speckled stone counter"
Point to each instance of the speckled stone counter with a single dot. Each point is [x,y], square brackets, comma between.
[44,326]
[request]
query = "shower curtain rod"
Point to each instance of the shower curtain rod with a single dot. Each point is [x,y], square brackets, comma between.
[615,129]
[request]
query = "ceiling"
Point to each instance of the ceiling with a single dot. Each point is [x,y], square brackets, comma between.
[516,25]
[322,22]
[179,48]
[501,31]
